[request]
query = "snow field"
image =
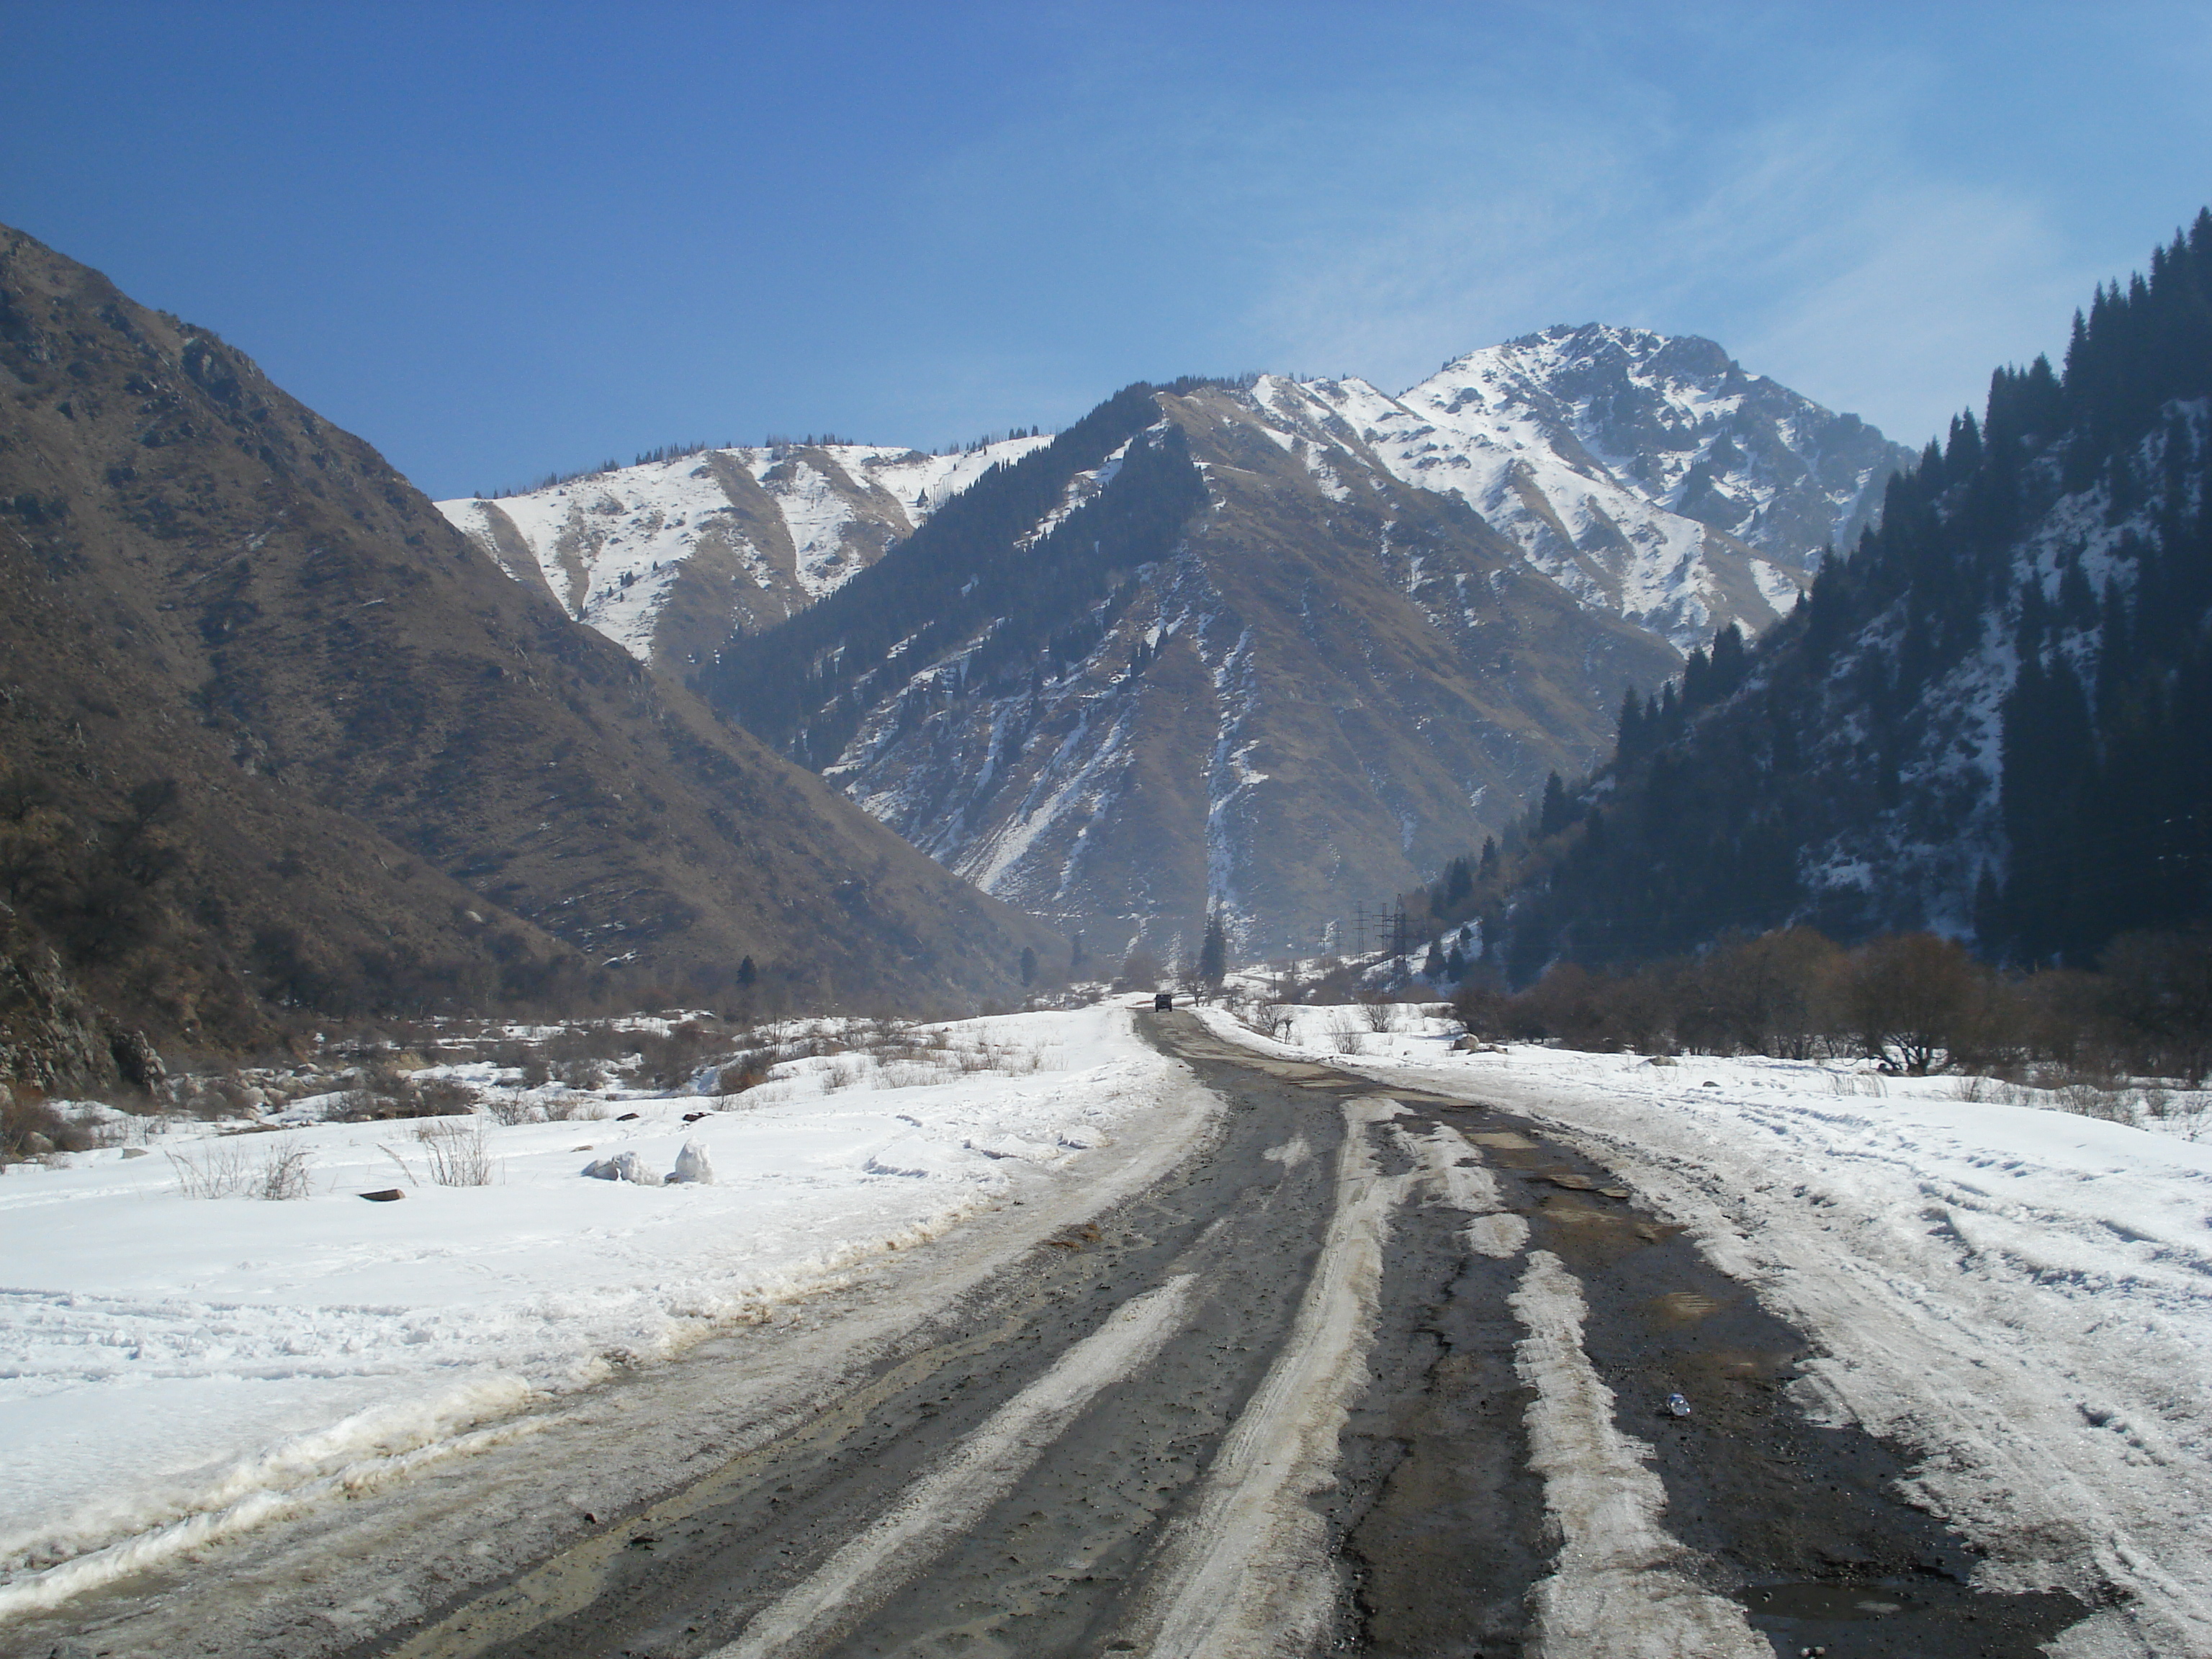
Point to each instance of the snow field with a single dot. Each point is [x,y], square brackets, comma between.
[173,1367]
[2020,1297]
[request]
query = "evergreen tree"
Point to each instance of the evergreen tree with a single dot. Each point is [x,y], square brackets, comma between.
[1629,742]
[1553,816]
[1029,965]
[1213,952]
[1459,883]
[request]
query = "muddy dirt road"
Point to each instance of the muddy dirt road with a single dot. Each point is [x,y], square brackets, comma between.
[1368,1371]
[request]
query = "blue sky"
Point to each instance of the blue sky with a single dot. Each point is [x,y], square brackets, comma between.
[499,239]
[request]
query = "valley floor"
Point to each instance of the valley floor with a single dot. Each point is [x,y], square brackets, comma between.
[2016,1301]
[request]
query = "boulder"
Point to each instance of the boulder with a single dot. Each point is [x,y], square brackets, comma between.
[692,1164]
[623,1166]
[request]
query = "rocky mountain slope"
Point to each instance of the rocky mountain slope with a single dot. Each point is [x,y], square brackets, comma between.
[669,558]
[1481,563]
[1990,719]
[1301,642]
[1650,476]
[273,733]
[1167,661]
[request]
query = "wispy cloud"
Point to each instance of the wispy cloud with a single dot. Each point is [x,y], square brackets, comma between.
[1811,246]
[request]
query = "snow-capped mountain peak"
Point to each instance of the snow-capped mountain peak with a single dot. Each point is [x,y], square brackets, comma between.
[1649,475]
[669,558]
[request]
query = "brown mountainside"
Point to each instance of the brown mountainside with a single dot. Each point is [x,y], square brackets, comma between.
[272,731]
[1215,668]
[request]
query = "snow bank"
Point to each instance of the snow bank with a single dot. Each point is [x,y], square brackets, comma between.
[165,1360]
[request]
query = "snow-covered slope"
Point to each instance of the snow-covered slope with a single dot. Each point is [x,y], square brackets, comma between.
[1650,476]
[670,558]
[1264,672]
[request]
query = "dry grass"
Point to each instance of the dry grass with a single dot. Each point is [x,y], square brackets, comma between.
[872,1054]
[2109,1099]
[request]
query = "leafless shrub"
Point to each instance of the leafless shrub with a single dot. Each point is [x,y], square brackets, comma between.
[670,1061]
[443,1096]
[457,1154]
[284,1172]
[2097,1098]
[384,1079]
[29,1128]
[1346,1035]
[221,1169]
[141,1129]
[507,1110]
[1016,1059]
[1379,1015]
[360,1106]
[582,1072]
[229,1169]
[746,1072]
[592,1040]
[2184,1117]
[840,1074]
[574,1109]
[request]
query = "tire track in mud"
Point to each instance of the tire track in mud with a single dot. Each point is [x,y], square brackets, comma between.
[1451,1538]
[1045,1568]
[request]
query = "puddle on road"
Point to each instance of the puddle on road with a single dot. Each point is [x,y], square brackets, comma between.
[1503,1140]
[1685,1307]
[1826,1601]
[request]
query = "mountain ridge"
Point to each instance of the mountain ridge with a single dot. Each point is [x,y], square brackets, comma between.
[1536,442]
[1988,720]
[1612,455]
[381,771]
